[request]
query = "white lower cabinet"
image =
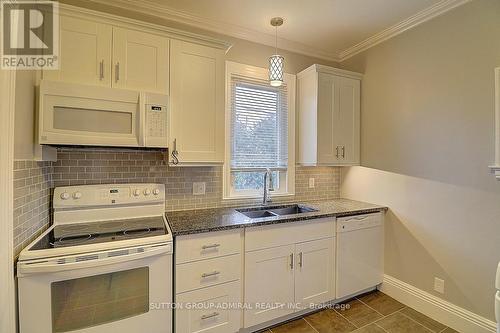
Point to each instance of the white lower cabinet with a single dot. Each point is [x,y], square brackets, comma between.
[287,268]
[205,310]
[269,281]
[315,272]
[208,282]
[287,278]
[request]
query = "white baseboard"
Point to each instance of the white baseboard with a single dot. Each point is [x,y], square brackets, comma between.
[438,309]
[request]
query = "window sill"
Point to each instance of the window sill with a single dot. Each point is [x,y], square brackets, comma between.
[495,170]
[253,197]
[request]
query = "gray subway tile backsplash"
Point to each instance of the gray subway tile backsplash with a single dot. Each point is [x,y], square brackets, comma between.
[79,166]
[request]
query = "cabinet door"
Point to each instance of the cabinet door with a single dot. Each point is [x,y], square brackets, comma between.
[140,61]
[347,109]
[269,281]
[197,103]
[328,136]
[210,313]
[315,272]
[85,53]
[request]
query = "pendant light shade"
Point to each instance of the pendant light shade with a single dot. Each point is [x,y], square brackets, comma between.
[276,62]
[276,70]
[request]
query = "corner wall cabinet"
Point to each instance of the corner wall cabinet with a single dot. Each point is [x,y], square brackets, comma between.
[328,116]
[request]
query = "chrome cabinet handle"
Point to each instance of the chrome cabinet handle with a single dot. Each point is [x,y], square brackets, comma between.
[117,72]
[343,151]
[337,154]
[214,273]
[208,316]
[211,246]
[291,260]
[175,154]
[101,70]
[300,259]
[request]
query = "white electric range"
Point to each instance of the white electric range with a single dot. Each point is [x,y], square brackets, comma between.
[105,265]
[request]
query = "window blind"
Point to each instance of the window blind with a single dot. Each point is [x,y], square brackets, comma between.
[259,125]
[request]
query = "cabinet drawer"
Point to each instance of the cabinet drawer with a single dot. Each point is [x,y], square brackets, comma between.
[356,222]
[209,315]
[207,245]
[205,273]
[288,233]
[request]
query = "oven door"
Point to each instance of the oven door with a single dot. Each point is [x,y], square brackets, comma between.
[126,294]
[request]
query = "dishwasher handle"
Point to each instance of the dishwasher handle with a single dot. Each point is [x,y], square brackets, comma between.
[352,223]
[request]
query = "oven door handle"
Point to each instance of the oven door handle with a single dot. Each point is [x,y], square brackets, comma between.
[58,264]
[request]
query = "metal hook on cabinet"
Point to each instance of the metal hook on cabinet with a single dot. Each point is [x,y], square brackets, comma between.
[175,153]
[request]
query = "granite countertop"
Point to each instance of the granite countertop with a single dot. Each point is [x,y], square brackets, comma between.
[215,219]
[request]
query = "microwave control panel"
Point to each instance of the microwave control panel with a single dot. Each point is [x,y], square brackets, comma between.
[156,125]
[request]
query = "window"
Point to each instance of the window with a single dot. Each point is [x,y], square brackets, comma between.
[260,132]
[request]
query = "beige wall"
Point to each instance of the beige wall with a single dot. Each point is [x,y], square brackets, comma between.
[427,140]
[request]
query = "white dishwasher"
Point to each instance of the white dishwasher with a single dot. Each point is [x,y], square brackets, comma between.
[360,253]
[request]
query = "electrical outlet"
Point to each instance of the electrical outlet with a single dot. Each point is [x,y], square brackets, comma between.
[439,285]
[311,182]
[199,188]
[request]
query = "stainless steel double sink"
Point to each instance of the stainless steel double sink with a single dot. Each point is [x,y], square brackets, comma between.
[262,212]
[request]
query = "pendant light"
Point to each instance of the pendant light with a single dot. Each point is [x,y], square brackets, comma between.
[276,61]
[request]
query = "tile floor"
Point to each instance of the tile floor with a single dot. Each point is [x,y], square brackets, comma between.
[374,312]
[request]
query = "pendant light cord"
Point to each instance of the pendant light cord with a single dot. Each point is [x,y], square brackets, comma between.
[276,45]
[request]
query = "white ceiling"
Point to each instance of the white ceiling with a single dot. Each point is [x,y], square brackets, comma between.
[328,29]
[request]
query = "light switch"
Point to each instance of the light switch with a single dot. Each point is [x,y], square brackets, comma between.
[311,182]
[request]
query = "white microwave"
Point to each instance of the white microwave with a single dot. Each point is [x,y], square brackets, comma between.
[75,114]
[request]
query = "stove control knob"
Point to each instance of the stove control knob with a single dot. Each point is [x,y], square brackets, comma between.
[137,193]
[65,195]
[77,195]
[156,191]
[147,191]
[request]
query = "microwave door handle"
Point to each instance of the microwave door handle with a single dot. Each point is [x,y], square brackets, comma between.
[50,267]
[142,120]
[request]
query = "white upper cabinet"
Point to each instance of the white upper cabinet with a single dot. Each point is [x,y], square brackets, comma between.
[100,54]
[85,53]
[197,103]
[140,61]
[328,116]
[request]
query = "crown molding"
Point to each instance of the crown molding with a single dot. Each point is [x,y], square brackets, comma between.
[161,11]
[409,23]
[121,21]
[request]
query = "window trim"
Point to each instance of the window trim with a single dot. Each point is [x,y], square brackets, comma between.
[262,74]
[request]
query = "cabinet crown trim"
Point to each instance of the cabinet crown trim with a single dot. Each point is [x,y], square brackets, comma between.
[316,68]
[125,22]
